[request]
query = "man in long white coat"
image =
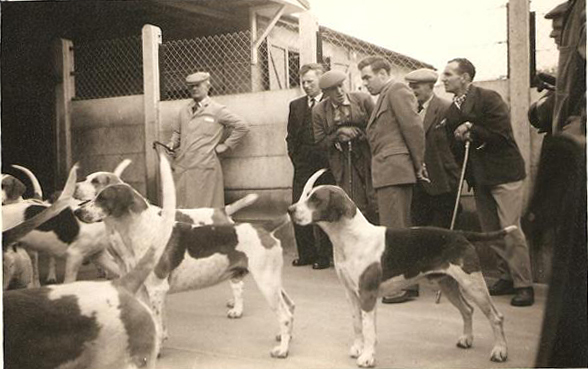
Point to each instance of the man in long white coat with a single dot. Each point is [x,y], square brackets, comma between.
[197,139]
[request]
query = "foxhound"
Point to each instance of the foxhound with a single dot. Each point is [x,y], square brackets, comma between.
[372,260]
[198,256]
[96,182]
[90,325]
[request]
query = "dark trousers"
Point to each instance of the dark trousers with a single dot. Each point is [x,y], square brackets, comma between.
[312,243]
[432,210]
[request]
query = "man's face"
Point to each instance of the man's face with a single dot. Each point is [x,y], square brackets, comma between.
[310,83]
[452,80]
[422,90]
[199,90]
[336,93]
[374,82]
[556,28]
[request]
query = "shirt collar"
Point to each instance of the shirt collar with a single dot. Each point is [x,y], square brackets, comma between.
[426,103]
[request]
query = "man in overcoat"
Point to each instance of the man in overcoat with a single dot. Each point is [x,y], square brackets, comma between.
[197,139]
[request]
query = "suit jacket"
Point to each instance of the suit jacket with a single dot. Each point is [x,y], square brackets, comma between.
[494,155]
[325,132]
[441,166]
[396,137]
[304,153]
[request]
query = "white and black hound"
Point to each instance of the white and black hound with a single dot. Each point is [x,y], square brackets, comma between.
[96,182]
[372,260]
[90,325]
[197,256]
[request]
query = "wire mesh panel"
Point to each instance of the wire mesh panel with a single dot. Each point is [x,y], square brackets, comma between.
[226,57]
[108,68]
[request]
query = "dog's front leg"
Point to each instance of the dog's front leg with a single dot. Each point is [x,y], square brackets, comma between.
[236,304]
[357,346]
[369,285]
[157,290]
[367,359]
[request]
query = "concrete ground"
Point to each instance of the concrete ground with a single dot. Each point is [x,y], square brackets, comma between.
[417,334]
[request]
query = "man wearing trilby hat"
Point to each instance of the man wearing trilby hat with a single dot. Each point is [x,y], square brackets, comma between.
[197,139]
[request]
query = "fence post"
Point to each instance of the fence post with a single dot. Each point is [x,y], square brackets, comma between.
[64,93]
[307,30]
[519,80]
[151,36]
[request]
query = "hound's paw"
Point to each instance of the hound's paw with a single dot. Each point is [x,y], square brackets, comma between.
[355,350]
[465,341]
[279,353]
[235,313]
[231,303]
[499,354]
[366,360]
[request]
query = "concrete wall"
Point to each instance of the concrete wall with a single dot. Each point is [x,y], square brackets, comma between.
[106,131]
[260,164]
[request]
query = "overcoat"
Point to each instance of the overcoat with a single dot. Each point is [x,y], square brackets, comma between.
[197,169]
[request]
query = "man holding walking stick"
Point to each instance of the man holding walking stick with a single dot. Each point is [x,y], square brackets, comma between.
[339,123]
[495,170]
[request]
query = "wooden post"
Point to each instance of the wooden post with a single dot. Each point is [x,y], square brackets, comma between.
[64,93]
[519,80]
[151,41]
[308,29]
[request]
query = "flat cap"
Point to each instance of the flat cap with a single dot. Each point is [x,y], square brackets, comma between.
[197,77]
[422,75]
[331,78]
[558,11]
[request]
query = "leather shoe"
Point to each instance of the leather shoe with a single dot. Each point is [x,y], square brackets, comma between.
[320,265]
[301,262]
[404,296]
[523,297]
[502,287]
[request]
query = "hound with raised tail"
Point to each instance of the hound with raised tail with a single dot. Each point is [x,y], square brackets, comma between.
[198,256]
[90,325]
[96,182]
[372,260]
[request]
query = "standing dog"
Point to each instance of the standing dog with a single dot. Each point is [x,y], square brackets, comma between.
[89,325]
[197,256]
[372,260]
[96,182]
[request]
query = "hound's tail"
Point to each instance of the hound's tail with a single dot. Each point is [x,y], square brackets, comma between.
[241,204]
[37,190]
[133,280]
[120,168]
[488,236]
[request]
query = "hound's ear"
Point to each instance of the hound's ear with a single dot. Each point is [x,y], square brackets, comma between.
[119,200]
[333,205]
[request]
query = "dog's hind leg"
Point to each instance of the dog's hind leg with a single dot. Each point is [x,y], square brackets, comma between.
[474,287]
[51,271]
[34,255]
[450,289]
[236,304]
[73,262]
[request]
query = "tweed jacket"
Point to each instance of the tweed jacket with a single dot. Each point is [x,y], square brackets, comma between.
[325,132]
[441,166]
[396,136]
[494,155]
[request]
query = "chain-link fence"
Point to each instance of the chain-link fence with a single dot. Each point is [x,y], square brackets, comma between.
[226,57]
[108,68]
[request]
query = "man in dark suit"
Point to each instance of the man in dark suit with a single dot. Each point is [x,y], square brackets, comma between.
[339,123]
[313,244]
[495,170]
[397,141]
[433,202]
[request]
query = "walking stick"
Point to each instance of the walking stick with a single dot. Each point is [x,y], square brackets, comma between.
[350,169]
[456,206]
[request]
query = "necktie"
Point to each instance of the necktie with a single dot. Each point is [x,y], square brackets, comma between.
[312,102]
[420,108]
[195,108]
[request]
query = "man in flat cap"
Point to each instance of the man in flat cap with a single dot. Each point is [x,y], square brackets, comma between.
[197,139]
[397,141]
[433,202]
[314,246]
[339,123]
